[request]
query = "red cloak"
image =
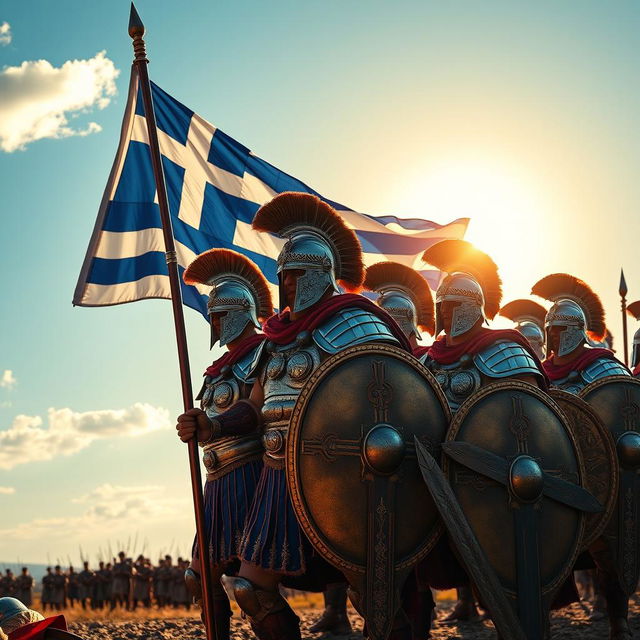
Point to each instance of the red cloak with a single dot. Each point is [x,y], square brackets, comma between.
[280,329]
[231,357]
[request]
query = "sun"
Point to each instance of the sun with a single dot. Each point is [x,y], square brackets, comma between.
[507,212]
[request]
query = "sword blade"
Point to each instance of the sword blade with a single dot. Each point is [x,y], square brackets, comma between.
[530,609]
[478,460]
[572,495]
[497,468]
[475,561]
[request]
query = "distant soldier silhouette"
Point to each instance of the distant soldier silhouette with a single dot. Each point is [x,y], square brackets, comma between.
[73,588]
[8,584]
[121,582]
[142,583]
[24,587]
[85,585]
[101,593]
[47,590]
[59,583]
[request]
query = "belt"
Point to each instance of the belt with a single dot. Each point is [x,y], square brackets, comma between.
[226,454]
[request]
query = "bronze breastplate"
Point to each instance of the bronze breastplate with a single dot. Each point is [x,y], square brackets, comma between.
[286,371]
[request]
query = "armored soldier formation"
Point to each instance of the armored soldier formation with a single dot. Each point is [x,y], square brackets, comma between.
[345,457]
[122,584]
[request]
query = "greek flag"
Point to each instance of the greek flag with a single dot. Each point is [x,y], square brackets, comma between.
[215,186]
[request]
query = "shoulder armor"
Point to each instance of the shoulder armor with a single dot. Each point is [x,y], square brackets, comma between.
[601,368]
[244,369]
[504,358]
[255,358]
[349,327]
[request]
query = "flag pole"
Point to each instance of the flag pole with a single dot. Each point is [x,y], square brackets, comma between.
[136,31]
[622,290]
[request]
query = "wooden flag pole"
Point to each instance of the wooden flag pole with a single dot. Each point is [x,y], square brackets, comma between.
[136,31]
[622,290]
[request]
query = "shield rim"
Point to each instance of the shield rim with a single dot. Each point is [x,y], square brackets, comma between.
[596,384]
[605,516]
[291,466]
[526,387]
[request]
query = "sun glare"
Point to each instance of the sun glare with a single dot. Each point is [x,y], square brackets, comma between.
[506,212]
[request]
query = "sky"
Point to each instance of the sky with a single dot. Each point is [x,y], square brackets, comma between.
[521,116]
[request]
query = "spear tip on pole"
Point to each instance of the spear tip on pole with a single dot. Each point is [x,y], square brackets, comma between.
[136,28]
[623,284]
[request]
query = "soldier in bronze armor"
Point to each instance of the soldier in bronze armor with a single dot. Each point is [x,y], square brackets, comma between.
[575,319]
[24,587]
[466,357]
[121,582]
[575,316]
[529,318]
[239,299]
[320,250]
[85,585]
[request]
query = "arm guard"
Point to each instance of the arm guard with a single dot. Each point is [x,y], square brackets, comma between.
[242,418]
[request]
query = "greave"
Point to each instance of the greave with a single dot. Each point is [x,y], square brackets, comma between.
[269,614]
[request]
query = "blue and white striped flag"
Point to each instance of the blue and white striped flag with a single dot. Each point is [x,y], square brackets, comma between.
[215,186]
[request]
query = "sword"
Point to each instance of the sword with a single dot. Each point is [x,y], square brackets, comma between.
[476,563]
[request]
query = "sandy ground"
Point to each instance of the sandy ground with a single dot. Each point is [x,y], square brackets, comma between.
[570,624]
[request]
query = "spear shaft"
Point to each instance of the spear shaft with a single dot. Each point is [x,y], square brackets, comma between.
[622,290]
[136,31]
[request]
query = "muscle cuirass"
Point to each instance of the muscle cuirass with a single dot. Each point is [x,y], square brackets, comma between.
[286,369]
[460,380]
[217,395]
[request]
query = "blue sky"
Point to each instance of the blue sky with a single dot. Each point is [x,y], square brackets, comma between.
[520,116]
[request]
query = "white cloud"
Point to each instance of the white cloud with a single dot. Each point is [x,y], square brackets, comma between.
[7,491]
[7,380]
[110,508]
[5,34]
[67,432]
[37,98]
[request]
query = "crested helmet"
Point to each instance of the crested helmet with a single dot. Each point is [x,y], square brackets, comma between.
[576,309]
[404,294]
[472,281]
[318,244]
[239,291]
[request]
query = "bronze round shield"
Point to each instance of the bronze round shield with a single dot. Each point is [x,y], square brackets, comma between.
[616,401]
[520,427]
[599,456]
[351,464]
